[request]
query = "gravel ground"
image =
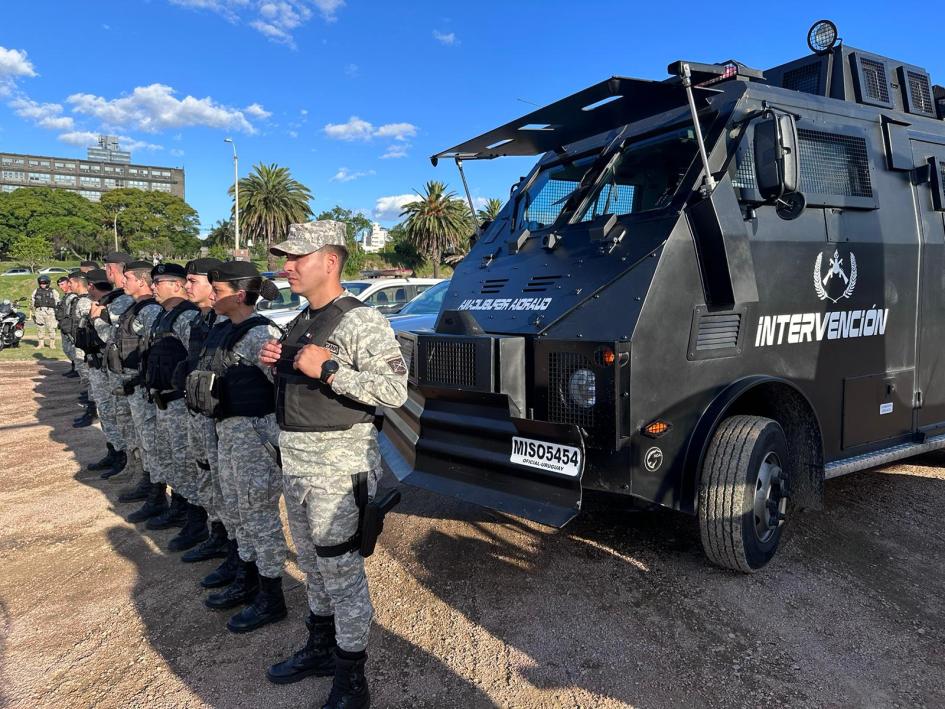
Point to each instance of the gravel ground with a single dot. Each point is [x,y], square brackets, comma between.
[474,609]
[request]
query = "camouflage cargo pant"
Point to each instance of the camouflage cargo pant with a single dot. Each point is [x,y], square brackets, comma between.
[202,436]
[46,325]
[126,425]
[80,366]
[172,447]
[101,393]
[144,414]
[322,511]
[251,484]
[68,348]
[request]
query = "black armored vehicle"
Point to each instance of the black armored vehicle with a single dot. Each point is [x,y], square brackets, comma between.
[711,293]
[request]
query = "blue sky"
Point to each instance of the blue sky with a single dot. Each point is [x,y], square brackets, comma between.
[354,96]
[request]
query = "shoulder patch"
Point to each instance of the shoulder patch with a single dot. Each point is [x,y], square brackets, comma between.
[397,365]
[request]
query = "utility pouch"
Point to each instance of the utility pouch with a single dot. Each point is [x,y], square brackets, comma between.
[158,400]
[372,520]
[112,358]
[201,393]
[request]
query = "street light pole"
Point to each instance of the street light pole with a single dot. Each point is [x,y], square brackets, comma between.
[236,190]
[115,225]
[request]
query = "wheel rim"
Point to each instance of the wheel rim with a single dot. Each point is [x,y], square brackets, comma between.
[770,503]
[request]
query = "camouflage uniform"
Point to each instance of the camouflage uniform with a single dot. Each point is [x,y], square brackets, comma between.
[143,411]
[173,426]
[116,408]
[68,347]
[45,318]
[202,439]
[250,480]
[82,306]
[319,468]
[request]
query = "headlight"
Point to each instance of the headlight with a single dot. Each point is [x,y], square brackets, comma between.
[18,333]
[582,388]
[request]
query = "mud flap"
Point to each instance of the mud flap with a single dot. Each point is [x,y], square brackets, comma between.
[469,455]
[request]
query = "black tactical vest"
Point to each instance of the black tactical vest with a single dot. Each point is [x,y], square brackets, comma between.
[199,329]
[65,322]
[241,387]
[127,341]
[44,298]
[307,404]
[74,319]
[164,350]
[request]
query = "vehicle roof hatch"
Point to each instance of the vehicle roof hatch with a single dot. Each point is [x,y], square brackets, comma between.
[599,108]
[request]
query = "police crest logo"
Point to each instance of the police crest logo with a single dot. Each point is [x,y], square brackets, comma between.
[397,365]
[836,279]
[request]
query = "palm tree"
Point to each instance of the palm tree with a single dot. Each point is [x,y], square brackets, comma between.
[271,200]
[436,223]
[490,210]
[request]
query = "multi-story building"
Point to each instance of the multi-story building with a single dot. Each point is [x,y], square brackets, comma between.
[107,168]
[374,240]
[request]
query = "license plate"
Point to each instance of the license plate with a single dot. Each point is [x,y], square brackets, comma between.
[555,457]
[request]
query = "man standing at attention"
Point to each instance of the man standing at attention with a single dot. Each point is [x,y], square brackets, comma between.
[43,302]
[338,362]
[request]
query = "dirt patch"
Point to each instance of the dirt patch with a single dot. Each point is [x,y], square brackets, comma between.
[473,608]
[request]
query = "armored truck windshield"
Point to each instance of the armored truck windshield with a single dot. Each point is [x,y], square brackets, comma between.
[713,294]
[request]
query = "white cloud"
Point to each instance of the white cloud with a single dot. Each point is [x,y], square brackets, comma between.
[276,20]
[154,108]
[177,152]
[396,150]
[389,208]
[257,111]
[293,134]
[352,71]
[359,129]
[303,111]
[14,64]
[106,27]
[448,39]
[346,175]
[45,115]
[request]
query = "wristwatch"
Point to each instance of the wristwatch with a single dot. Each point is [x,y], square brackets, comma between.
[329,367]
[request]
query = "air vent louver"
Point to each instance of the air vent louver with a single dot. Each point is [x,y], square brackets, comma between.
[539,284]
[718,332]
[805,79]
[920,93]
[493,285]
[875,84]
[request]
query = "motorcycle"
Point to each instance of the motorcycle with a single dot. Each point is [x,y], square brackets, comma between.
[12,324]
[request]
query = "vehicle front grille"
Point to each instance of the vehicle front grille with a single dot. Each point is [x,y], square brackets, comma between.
[448,362]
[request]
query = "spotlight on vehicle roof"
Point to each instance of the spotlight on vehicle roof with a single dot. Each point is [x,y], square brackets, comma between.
[822,36]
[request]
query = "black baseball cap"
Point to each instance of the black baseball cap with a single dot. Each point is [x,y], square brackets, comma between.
[233,271]
[202,266]
[169,269]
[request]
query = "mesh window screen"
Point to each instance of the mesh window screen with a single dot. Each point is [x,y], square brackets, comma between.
[613,199]
[745,170]
[920,93]
[874,76]
[941,170]
[561,409]
[548,203]
[834,164]
[804,78]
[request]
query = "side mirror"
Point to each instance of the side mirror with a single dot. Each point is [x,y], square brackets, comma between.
[263,304]
[777,169]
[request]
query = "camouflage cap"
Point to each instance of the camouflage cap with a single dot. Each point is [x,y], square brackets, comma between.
[310,237]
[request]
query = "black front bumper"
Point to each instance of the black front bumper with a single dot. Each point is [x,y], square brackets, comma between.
[462,447]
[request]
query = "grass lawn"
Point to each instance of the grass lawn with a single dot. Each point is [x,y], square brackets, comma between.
[27,350]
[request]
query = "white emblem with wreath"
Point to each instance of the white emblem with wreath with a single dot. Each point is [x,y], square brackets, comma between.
[834,270]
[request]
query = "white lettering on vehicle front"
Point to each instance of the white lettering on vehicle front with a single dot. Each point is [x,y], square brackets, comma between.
[794,328]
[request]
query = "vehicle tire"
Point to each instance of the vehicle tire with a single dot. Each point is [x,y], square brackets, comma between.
[743,493]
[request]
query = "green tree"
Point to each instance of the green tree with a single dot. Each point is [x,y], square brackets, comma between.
[354,222]
[437,223]
[153,223]
[221,234]
[399,250]
[270,200]
[31,251]
[68,220]
[490,210]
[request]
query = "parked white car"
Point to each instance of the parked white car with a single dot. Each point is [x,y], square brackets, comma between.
[388,295]
[20,271]
[49,270]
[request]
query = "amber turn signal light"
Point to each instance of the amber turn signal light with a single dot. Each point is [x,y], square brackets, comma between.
[656,429]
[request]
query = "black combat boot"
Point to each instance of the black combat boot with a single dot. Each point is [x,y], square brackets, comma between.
[154,505]
[267,607]
[138,491]
[243,589]
[225,572]
[174,516]
[214,548]
[83,398]
[105,463]
[87,418]
[71,374]
[194,530]
[349,689]
[316,659]
[118,467]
